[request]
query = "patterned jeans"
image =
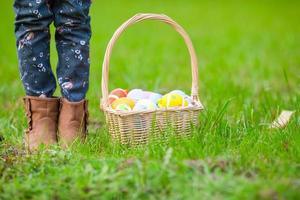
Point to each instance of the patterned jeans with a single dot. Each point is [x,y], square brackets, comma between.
[73,32]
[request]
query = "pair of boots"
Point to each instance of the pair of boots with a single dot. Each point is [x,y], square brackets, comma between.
[53,119]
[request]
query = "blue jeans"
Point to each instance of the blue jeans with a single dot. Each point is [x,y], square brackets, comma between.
[73,32]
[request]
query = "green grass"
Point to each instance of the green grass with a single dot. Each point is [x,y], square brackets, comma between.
[249,56]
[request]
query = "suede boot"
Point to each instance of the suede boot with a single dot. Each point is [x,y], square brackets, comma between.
[72,123]
[42,116]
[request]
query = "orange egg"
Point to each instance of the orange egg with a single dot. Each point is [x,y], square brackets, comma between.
[116,94]
[123,100]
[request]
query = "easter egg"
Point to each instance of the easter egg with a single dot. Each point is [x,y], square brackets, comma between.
[123,100]
[144,104]
[172,100]
[154,97]
[189,100]
[116,94]
[123,107]
[186,97]
[135,94]
[147,94]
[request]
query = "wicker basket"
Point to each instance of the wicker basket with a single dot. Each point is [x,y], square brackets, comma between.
[136,127]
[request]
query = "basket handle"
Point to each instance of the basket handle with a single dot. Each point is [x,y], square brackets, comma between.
[133,20]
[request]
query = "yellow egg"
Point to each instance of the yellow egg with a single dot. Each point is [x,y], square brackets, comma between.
[123,100]
[123,107]
[172,100]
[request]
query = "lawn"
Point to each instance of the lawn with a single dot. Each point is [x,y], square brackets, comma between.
[249,70]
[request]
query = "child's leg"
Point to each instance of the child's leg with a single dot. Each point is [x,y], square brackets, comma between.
[73,34]
[33,43]
[33,40]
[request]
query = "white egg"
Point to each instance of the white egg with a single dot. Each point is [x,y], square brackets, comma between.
[144,104]
[135,94]
[154,97]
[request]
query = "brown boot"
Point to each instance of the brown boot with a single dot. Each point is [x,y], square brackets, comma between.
[72,123]
[42,115]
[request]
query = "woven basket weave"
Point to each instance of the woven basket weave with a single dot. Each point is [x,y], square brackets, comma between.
[136,127]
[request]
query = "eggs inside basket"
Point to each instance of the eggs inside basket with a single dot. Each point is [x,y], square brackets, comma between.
[140,100]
